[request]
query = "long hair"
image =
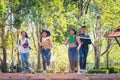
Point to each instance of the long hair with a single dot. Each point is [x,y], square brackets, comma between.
[26,35]
[75,32]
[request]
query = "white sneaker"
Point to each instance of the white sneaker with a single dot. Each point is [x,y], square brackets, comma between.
[76,69]
[30,69]
[48,67]
[44,72]
[23,72]
[83,70]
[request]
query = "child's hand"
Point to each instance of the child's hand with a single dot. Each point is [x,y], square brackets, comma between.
[81,42]
[78,48]
[65,44]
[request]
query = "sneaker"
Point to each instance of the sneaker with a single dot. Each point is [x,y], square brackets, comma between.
[29,69]
[83,71]
[44,72]
[76,70]
[48,67]
[23,72]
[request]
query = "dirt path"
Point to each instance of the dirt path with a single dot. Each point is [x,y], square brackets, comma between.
[19,76]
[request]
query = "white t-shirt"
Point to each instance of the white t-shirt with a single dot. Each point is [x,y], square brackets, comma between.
[22,49]
[43,39]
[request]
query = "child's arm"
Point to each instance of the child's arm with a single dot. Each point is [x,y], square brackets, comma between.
[51,43]
[18,45]
[80,43]
[66,42]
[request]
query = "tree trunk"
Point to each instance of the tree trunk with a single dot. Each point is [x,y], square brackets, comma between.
[38,63]
[39,50]
[17,43]
[12,64]
[12,38]
[18,55]
[4,65]
[107,59]
[1,61]
[97,57]
[98,42]
[97,62]
[80,7]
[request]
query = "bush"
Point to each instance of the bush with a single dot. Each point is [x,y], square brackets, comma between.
[39,71]
[114,69]
[48,71]
[99,71]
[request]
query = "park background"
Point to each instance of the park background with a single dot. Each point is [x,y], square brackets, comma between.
[57,16]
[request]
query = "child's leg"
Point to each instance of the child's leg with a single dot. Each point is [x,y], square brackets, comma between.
[23,61]
[44,59]
[85,58]
[75,58]
[26,59]
[70,55]
[81,58]
[48,57]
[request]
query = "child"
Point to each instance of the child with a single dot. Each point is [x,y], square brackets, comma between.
[72,41]
[46,46]
[24,46]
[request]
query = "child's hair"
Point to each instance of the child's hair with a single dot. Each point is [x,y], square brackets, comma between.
[83,27]
[26,35]
[75,32]
[47,32]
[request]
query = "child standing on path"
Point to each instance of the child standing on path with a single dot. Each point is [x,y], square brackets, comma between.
[46,46]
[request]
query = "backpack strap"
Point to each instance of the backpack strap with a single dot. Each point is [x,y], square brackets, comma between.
[19,41]
[75,37]
[28,43]
[26,40]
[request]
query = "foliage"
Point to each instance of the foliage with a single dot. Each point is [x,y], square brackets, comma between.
[114,69]
[103,71]
[61,58]
[48,71]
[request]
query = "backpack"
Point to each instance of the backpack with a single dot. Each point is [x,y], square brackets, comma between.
[25,44]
